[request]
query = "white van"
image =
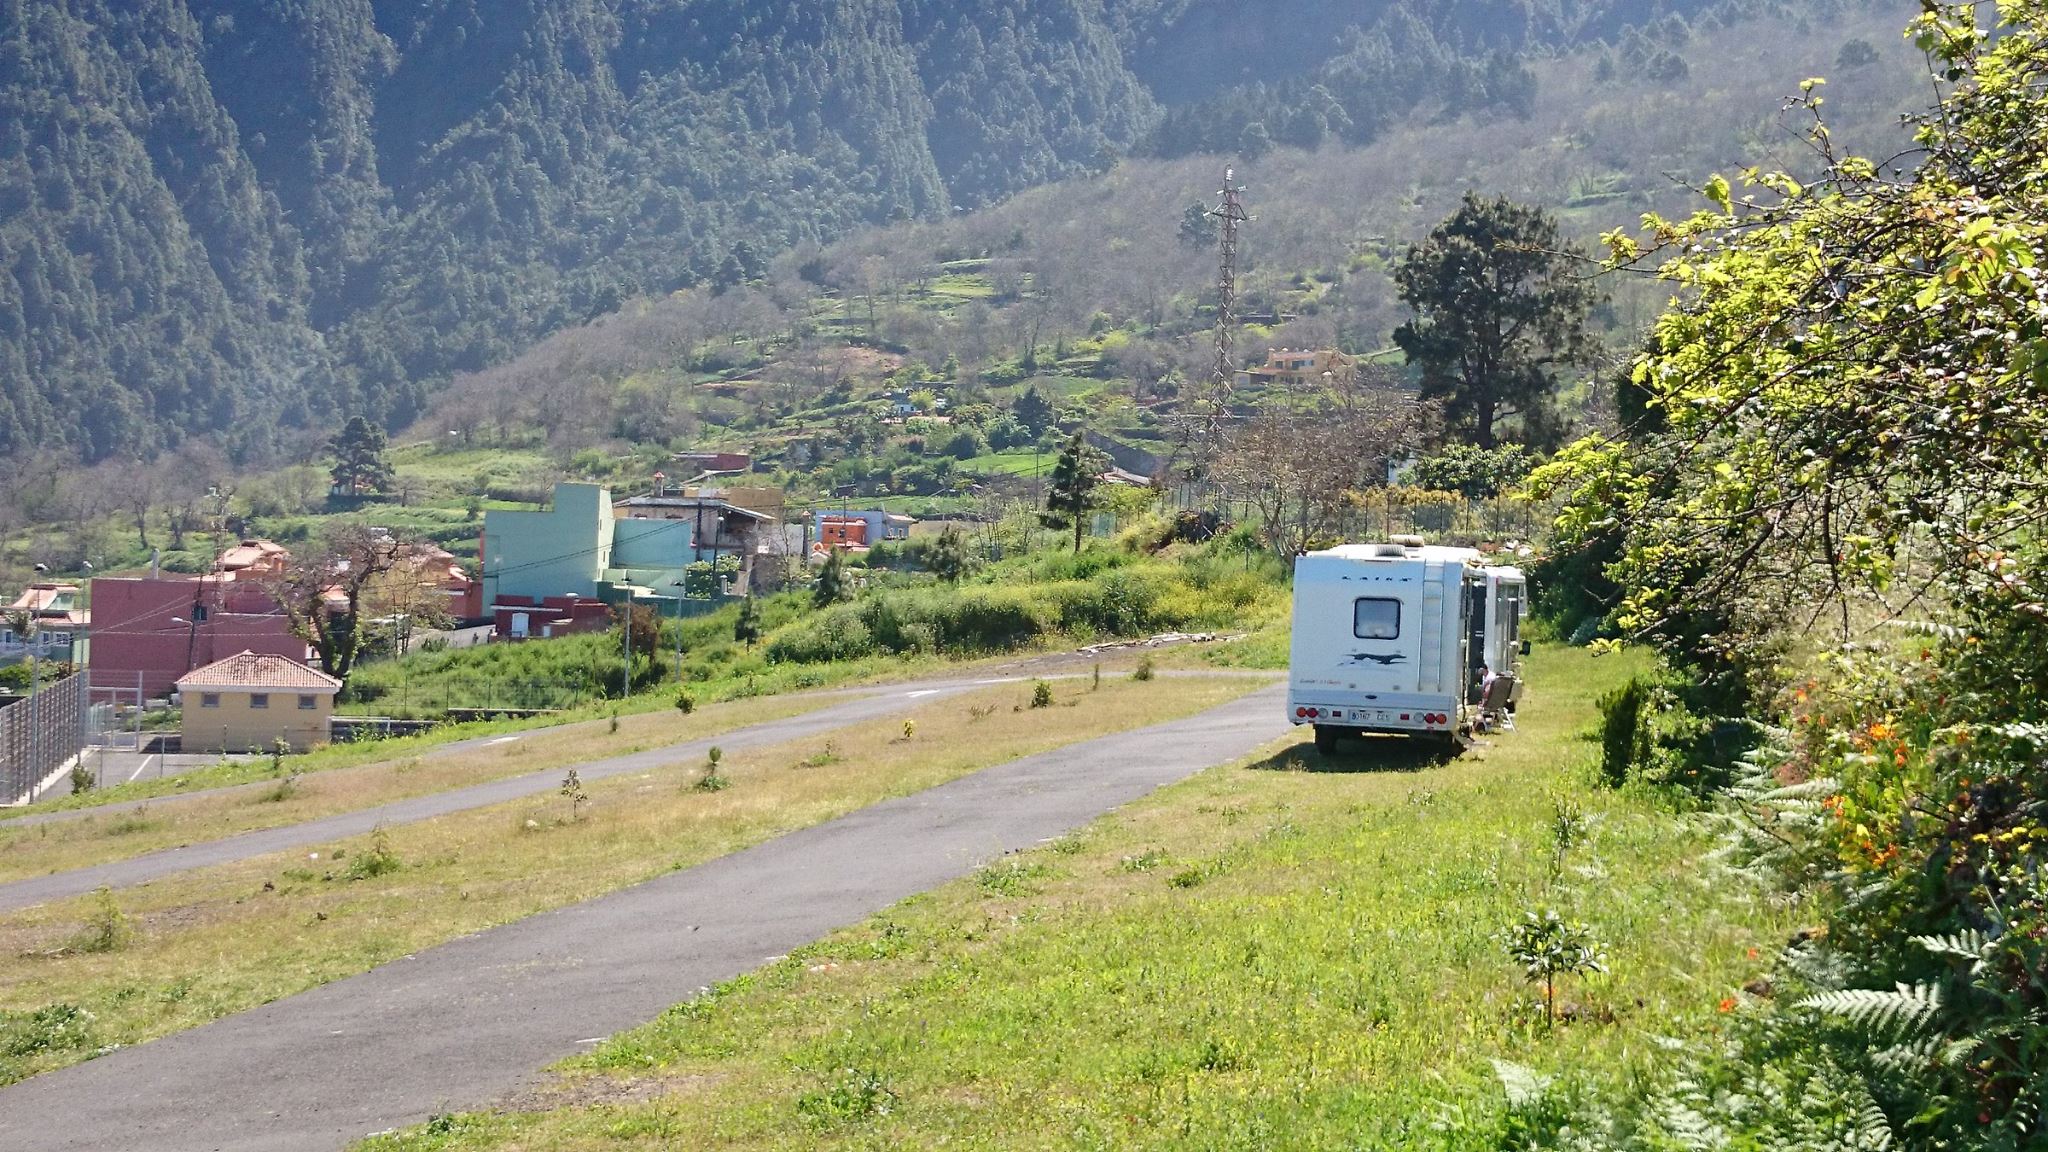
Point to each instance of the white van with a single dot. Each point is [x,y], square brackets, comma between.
[1406,638]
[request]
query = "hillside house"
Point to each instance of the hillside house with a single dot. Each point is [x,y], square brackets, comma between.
[250,701]
[716,461]
[61,623]
[1297,368]
[858,531]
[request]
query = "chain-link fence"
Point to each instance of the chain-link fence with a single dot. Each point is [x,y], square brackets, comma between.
[41,734]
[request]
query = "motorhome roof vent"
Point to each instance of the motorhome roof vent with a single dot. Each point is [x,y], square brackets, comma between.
[1407,541]
[1389,549]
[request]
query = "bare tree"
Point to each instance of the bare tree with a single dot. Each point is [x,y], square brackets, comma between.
[324,591]
[1297,465]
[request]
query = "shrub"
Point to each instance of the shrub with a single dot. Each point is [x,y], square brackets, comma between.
[1548,946]
[1041,694]
[82,779]
[1624,732]
[280,791]
[858,1094]
[712,781]
[376,860]
[52,1028]
[685,703]
[1144,670]
[106,927]
[572,790]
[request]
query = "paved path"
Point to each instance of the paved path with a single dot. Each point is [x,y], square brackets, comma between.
[452,747]
[461,1025]
[247,845]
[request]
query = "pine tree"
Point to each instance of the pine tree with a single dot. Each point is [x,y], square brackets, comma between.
[832,584]
[1074,480]
[747,629]
[1500,308]
[947,556]
[1033,411]
[358,452]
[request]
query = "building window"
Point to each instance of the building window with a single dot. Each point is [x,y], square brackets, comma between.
[209,699]
[1376,619]
[259,700]
[308,703]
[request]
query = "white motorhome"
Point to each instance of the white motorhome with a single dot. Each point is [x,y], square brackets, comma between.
[1402,637]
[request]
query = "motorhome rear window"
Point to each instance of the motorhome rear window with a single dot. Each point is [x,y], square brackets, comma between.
[1376,619]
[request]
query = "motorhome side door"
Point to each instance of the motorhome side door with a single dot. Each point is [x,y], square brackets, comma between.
[1472,614]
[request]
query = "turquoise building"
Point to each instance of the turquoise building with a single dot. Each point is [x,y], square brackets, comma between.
[578,547]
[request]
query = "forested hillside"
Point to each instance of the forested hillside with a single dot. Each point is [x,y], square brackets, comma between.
[248,217]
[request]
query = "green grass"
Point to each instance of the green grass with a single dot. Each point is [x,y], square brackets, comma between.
[1013,462]
[1272,955]
[962,287]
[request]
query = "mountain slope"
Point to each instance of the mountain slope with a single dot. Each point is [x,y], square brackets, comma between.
[244,219]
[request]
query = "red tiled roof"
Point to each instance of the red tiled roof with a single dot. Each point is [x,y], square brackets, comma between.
[250,670]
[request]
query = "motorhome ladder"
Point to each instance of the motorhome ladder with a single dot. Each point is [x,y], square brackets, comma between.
[1431,678]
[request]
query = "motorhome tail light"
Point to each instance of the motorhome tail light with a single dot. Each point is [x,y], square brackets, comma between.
[1404,715]
[1300,712]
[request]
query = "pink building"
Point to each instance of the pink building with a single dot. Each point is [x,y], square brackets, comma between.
[158,630]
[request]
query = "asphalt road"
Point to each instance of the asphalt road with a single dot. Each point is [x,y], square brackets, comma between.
[246,845]
[461,1025]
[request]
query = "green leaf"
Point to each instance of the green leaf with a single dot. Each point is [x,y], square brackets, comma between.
[1717,191]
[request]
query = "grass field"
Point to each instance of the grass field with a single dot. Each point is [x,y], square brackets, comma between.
[1014,462]
[94,839]
[122,968]
[1291,953]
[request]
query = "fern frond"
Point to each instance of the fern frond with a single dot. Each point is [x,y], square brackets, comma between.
[1691,1128]
[1913,1057]
[2036,734]
[1872,1129]
[1968,944]
[1908,1008]
[1524,1086]
[1939,631]
[1819,788]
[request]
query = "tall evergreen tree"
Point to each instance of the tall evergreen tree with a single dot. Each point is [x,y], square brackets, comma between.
[947,556]
[358,453]
[1500,308]
[1033,411]
[747,629]
[832,584]
[1072,492]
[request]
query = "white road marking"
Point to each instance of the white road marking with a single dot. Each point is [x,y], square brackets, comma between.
[501,740]
[925,692]
[145,764]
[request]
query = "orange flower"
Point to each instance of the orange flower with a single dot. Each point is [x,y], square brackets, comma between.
[1728,1004]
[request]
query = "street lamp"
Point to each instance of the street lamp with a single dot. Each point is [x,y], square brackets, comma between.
[680,590]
